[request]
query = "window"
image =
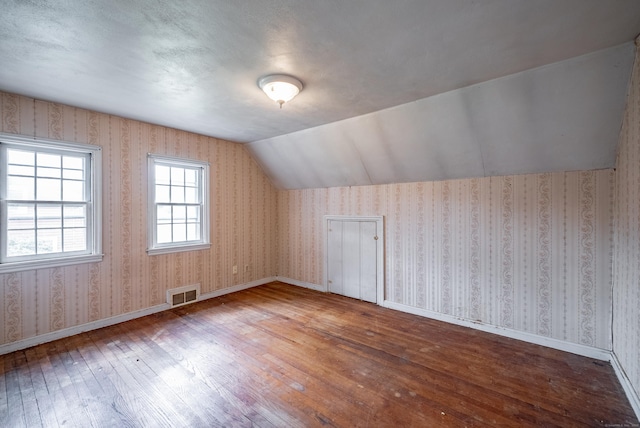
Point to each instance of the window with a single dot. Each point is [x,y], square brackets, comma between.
[178,205]
[49,203]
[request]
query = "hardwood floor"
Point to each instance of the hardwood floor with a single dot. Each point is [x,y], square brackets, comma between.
[279,355]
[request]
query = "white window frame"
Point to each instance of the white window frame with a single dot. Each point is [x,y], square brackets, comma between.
[153,247]
[93,204]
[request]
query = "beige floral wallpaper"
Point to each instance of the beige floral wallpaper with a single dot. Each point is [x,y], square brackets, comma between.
[529,252]
[626,267]
[243,223]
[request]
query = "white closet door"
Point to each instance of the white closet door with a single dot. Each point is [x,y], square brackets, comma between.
[352,259]
[334,255]
[368,261]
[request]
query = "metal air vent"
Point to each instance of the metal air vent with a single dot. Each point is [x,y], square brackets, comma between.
[183,295]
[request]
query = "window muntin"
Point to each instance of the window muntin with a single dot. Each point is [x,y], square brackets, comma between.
[49,204]
[178,204]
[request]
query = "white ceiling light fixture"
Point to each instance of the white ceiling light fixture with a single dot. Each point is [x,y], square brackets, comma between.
[280,87]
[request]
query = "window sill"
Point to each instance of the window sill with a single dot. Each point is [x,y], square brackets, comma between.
[49,263]
[177,249]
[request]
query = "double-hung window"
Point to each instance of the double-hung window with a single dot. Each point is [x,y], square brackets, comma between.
[178,206]
[49,203]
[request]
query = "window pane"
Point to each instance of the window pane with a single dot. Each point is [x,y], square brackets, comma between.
[48,189]
[179,214]
[20,170]
[179,232]
[163,174]
[191,195]
[37,226]
[75,239]
[164,214]
[21,157]
[48,172]
[193,214]
[72,190]
[21,216]
[48,159]
[193,232]
[74,174]
[191,177]
[49,216]
[164,233]
[177,176]
[21,243]
[73,162]
[20,188]
[75,216]
[177,194]
[49,241]
[162,194]
[177,204]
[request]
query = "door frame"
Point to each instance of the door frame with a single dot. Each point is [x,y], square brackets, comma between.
[379,220]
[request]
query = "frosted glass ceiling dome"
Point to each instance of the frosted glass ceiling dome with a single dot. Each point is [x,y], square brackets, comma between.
[281,88]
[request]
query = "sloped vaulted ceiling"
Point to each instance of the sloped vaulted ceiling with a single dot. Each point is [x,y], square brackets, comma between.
[398,91]
[561,117]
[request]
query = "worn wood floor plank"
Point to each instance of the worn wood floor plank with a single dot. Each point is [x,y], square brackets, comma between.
[204,368]
[27,392]
[248,377]
[98,390]
[283,356]
[44,400]
[4,394]
[177,383]
[144,402]
[63,416]
[15,410]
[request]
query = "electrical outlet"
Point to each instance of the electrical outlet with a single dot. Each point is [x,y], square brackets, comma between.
[235,269]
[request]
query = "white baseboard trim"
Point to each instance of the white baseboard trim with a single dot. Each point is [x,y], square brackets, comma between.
[574,348]
[309,285]
[234,288]
[587,351]
[105,322]
[630,391]
[71,331]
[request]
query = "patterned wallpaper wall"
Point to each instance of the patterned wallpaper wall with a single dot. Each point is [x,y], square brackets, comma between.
[626,268]
[529,252]
[243,223]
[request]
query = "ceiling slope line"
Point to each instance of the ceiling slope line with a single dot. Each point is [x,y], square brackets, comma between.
[560,117]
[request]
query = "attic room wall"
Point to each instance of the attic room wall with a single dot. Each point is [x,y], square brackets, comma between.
[626,265]
[527,252]
[243,223]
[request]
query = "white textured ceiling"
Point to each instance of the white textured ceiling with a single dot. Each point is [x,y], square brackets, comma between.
[387,93]
[564,116]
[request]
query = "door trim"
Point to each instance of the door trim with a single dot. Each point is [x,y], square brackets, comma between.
[379,220]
